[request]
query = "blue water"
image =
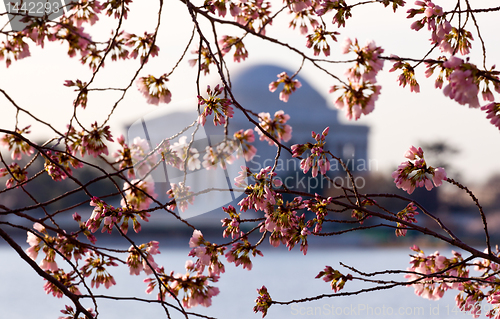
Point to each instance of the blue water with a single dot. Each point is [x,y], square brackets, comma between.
[287,275]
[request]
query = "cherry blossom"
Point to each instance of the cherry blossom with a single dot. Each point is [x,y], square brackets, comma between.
[18,174]
[221,154]
[343,11]
[67,279]
[93,142]
[318,40]
[85,12]
[205,61]
[58,165]
[275,127]
[14,49]
[410,175]
[408,75]
[407,215]
[139,193]
[357,98]
[17,144]
[154,89]
[109,216]
[493,111]
[263,302]
[317,160]
[227,42]
[245,138]
[136,261]
[432,286]
[181,195]
[183,151]
[301,18]
[239,254]
[368,63]
[143,46]
[337,279]
[98,264]
[289,87]
[220,107]
[261,196]
[232,224]
[462,85]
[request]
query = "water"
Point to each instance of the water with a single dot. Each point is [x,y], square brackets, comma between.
[287,275]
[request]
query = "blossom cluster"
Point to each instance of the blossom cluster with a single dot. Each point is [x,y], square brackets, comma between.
[221,154]
[407,76]
[58,165]
[67,246]
[154,89]
[187,154]
[182,196]
[16,144]
[220,107]
[300,19]
[17,174]
[285,226]
[204,59]
[289,86]
[464,81]
[318,206]
[137,154]
[361,92]
[432,275]
[448,38]
[407,215]
[140,258]
[343,11]
[410,175]
[232,224]
[143,46]
[245,138]
[263,302]
[336,278]
[260,195]
[109,216]
[81,88]
[239,253]
[318,40]
[493,111]
[91,142]
[276,127]
[253,14]
[317,160]
[71,314]
[207,255]
[139,193]
[227,42]
[462,86]
[426,282]
[195,287]
[98,263]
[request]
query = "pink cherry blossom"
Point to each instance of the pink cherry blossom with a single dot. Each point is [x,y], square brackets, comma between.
[289,87]
[410,175]
[154,89]
[493,113]
[275,127]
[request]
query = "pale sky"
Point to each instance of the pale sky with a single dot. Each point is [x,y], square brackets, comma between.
[400,118]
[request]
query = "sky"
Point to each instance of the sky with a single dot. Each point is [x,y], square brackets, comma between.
[400,118]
